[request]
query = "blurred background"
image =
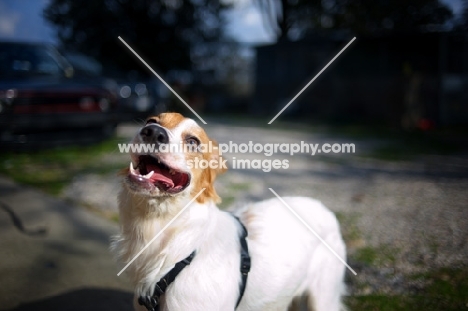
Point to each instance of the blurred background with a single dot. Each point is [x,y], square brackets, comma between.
[70,91]
[407,68]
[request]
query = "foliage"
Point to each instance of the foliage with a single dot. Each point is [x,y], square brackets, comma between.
[292,19]
[162,31]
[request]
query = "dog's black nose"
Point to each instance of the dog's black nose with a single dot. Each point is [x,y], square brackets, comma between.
[154,134]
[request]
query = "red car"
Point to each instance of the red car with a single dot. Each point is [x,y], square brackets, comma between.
[41,102]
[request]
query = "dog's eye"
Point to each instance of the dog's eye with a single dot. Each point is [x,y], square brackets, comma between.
[192,141]
[150,121]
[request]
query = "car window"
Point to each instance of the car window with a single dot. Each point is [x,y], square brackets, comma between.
[24,60]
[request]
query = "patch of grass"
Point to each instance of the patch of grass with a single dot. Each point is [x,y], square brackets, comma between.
[411,147]
[239,186]
[447,290]
[357,248]
[376,256]
[443,289]
[377,303]
[367,255]
[448,286]
[349,228]
[227,201]
[51,170]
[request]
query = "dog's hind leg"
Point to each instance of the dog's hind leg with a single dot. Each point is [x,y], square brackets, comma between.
[326,277]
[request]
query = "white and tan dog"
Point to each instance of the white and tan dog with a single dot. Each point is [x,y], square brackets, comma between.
[287,260]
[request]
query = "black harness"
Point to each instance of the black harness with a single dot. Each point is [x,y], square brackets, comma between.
[152,302]
[244,262]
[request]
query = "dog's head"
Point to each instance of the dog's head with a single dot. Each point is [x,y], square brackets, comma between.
[175,157]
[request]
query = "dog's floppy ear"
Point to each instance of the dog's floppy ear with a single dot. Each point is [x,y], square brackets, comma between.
[218,157]
[208,175]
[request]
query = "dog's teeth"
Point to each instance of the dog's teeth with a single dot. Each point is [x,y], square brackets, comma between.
[148,176]
[134,171]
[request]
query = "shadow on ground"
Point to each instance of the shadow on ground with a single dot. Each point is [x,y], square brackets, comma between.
[90,299]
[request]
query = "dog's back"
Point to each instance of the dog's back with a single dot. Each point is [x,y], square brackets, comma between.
[288,259]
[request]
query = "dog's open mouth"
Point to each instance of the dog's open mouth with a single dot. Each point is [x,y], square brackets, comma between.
[150,172]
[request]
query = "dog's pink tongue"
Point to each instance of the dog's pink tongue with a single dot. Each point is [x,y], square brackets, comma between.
[160,175]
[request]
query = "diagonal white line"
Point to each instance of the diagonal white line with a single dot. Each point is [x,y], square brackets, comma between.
[160,232]
[164,82]
[312,230]
[313,79]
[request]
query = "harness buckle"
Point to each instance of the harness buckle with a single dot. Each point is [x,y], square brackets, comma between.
[158,290]
[150,302]
[245,264]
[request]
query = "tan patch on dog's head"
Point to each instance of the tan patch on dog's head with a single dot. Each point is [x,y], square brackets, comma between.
[168,120]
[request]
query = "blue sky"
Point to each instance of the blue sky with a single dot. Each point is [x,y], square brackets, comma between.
[22,20]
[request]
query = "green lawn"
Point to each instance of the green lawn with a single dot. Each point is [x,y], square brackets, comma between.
[50,170]
[447,291]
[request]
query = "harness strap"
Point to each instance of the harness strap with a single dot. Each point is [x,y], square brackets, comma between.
[152,302]
[245,262]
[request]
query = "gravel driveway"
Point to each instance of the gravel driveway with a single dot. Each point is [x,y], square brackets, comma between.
[408,217]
